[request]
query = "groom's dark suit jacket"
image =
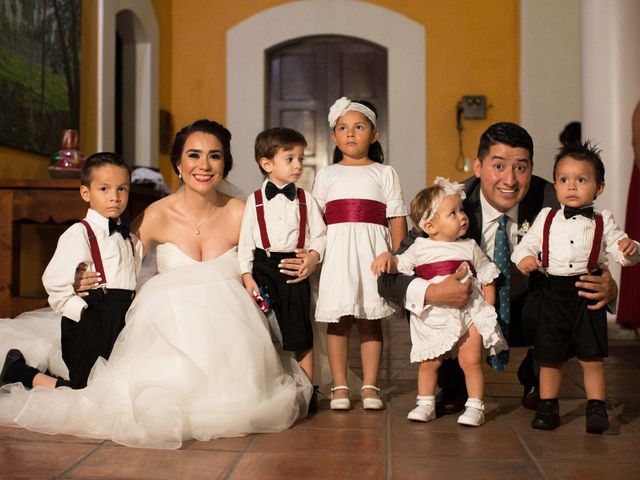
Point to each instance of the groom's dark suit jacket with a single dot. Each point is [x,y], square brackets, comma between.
[541,194]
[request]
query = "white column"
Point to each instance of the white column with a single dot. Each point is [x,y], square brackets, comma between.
[610,91]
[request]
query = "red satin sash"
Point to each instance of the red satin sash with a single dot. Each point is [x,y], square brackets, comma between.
[446,267]
[355,210]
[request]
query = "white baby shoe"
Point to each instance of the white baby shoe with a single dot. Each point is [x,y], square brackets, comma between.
[473,415]
[425,409]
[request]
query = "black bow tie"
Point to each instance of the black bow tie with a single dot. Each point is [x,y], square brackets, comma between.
[122,228]
[288,191]
[572,212]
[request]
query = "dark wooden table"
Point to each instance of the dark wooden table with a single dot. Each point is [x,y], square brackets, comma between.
[42,201]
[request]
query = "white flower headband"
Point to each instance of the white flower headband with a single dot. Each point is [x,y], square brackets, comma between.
[343,105]
[448,188]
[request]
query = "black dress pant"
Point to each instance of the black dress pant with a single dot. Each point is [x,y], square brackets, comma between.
[290,301]
[95,334]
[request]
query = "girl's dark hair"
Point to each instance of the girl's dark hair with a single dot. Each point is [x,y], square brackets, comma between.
[375,149]
[204,126]
[100,159]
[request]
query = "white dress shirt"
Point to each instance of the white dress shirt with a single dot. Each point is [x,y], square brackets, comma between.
[490,226]
[282,219]
[570,242]
[121,263]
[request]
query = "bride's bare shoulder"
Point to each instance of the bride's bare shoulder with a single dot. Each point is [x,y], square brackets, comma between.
[155,214]
[233,205]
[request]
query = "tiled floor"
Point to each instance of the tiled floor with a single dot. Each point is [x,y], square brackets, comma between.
[379,445]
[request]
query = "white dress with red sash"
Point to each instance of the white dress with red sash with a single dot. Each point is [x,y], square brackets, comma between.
[437,330]
[356,202]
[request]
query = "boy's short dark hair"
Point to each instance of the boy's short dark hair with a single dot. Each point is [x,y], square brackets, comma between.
[586,152]
[100,159]
[506,133]
[270,141]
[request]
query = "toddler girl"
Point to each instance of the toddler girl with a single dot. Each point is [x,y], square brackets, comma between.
[441,331]
[365,215]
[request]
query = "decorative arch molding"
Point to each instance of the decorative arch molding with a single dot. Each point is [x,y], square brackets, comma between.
[142,39]
[404,40]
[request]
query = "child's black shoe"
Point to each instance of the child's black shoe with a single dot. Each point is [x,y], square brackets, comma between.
[10,360]
[597,420]
[313,403]
[547,416]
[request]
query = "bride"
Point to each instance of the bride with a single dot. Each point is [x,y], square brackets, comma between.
[195,359]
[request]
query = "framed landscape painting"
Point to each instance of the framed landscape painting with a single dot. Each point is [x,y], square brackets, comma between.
[39,72]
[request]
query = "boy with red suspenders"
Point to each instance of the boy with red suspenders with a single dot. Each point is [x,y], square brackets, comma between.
[282,221]
[90,324]
[570,242]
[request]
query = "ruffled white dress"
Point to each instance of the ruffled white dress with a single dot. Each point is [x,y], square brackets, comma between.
[195,360]
[437,330]
[347,285]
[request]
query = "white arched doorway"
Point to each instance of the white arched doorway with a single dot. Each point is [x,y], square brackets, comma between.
[136,22]
[247,42]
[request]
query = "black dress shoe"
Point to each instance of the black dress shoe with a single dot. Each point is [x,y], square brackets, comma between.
[547,416]
[450,402]
[531,397]
[597,419]
[13,356]
[313,403]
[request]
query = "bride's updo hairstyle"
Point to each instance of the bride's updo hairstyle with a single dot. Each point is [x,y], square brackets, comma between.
[205,126]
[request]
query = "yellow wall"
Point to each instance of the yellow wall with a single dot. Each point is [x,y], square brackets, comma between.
[472,48]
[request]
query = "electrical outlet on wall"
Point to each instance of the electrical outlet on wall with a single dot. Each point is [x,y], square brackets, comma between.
[474,106]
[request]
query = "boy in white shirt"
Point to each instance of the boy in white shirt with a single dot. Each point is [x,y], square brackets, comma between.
[571,242]
[90,324]
[282,221]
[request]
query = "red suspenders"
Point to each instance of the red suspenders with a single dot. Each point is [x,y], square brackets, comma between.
[592,264]
[95,251]
[302,203]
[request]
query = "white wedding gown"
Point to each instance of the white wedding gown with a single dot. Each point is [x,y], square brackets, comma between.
[195,360]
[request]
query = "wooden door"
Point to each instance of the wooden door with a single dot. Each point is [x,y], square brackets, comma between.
[306,76]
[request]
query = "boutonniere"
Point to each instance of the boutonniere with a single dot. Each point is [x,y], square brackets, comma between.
[524,228]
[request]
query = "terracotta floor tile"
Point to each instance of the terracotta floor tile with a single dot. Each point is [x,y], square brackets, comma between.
[590,471]
[469,443]
[223,444]
[119,463]
[412,468]
[22,434]
[326,440]
[309,466]
[555,445]
[36,458]
[355,418]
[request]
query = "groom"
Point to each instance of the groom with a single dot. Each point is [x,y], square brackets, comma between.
[503,197]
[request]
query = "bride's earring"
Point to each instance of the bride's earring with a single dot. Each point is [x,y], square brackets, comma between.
[180,174]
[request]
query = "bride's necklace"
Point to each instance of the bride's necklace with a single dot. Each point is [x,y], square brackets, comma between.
[199,225]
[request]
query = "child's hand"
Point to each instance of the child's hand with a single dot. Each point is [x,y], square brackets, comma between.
[528,264]
[628,247]
[250,284]
[383,263]
[308,265]
[84,281]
